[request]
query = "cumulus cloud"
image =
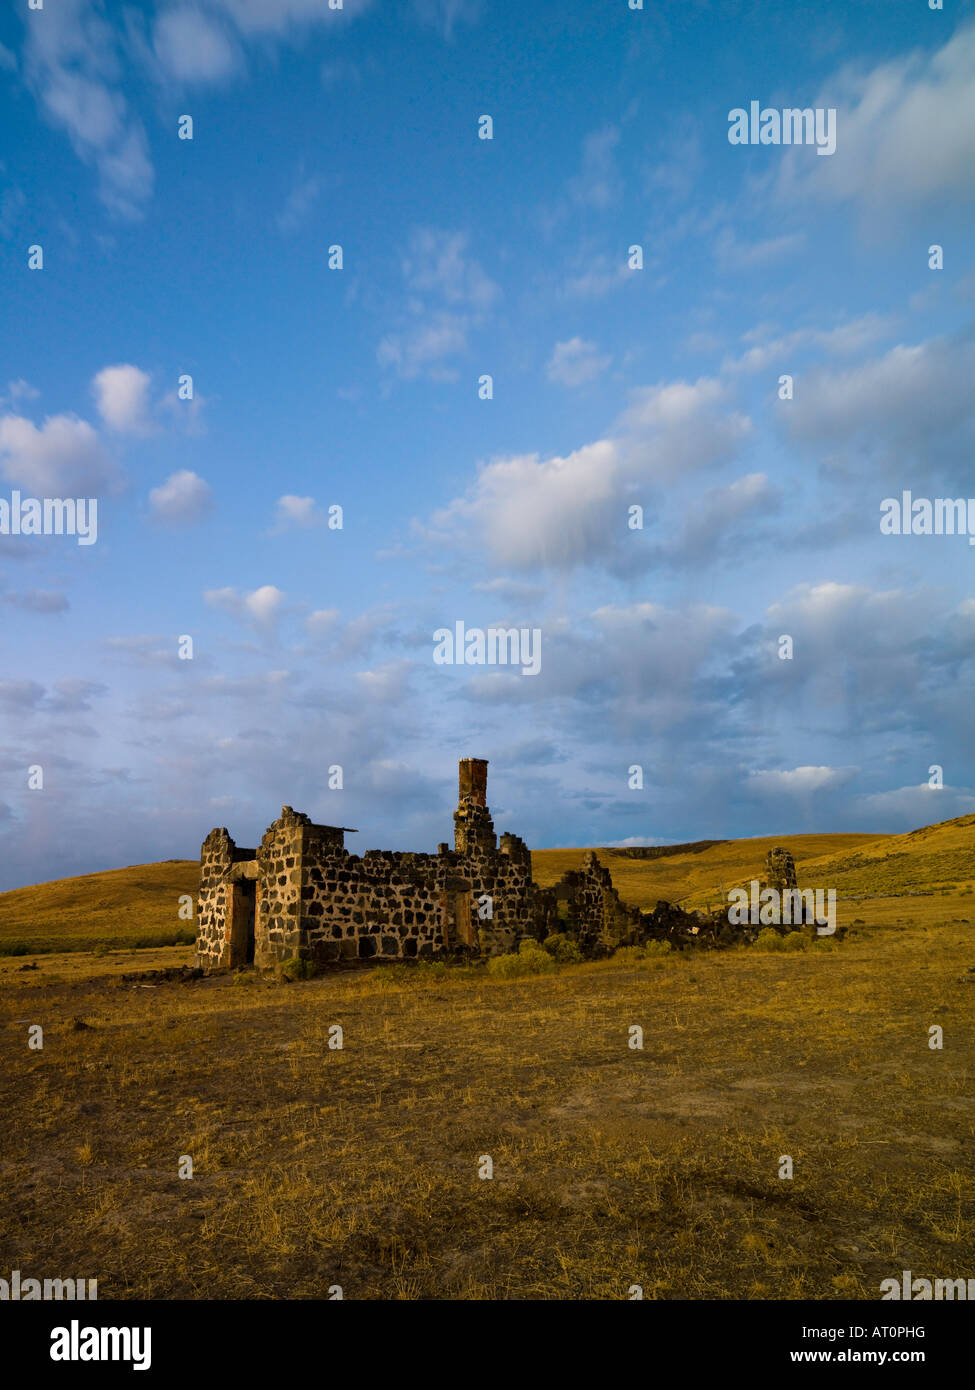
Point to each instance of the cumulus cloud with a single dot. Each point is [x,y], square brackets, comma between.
[570,510]
[575,361]
[190,47]
[261,605]
[911,807]
[531,511]
[800,780]
[122,398]
[184,498]
[912,405]
[296,511]
[63,457]
[905,132]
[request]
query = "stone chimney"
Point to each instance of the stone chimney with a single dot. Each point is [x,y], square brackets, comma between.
[473,827]
[473,780]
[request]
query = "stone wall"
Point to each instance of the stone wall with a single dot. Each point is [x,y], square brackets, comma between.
[216,858]
[277,927]
[301,894]
[397,906]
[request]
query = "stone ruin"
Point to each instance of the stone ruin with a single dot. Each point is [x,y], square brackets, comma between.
[301,895]
[780,870]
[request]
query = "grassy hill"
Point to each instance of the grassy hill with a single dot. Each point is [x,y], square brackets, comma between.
[130,907]
[138,906]
[692,874]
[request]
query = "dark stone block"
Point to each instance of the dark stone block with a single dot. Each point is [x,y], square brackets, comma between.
[367,946]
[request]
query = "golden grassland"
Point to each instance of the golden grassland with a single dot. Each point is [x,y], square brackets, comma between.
[696,874]
[132,907]
[612,1166]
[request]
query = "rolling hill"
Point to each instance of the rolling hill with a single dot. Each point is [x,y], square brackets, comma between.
[138,906]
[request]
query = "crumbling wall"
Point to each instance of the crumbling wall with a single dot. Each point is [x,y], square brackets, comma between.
[212,916]
[595,916]
[277,926]
[383,904]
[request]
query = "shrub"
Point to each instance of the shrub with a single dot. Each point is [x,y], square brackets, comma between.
[298,969]
[657,948]
[531,958]
[768,939]
[628,955]
[795,941]
[563,949]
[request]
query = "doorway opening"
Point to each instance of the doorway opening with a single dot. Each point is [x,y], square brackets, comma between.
[243,904]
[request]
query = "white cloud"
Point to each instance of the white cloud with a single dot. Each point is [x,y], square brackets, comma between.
[190,47]
[296,511]
[278,16]
[732,254]
[915,806]
[71,62]
[322,620]
[63,457]
[18,391]
[182,499]
[905,132]
[387,684]
[532,511]
[423,347]
[800,780]
[122,398]
[437,262]
[574,362]
[261,605]
[448,294]
[842,340]
[570,510]
[913,403]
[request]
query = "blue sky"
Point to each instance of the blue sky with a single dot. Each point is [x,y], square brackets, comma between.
[358,387]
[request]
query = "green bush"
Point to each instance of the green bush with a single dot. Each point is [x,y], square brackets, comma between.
[795,941]
[657,948]
[563,949]
[298,969]
[768,939]
[628,955]
[531,958]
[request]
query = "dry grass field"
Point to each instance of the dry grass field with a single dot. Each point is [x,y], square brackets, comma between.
[612,1166]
